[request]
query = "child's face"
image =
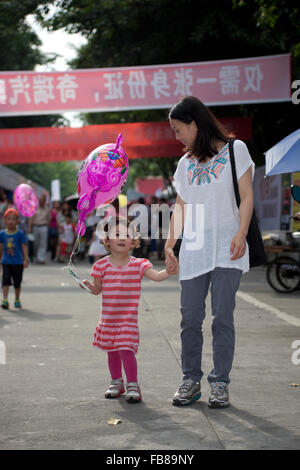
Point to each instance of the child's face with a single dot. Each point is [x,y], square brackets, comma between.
[120,241]
[11,221]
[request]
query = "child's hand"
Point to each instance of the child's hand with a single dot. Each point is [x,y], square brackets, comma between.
[87,284]
[172,265]
[94,289]
[172,270]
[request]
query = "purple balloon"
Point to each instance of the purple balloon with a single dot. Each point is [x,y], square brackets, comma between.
[25,200]
[101,178]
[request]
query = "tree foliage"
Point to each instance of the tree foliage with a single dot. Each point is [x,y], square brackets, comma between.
[20,51]
[19,44]
[44,173]
[278,23]
[145,32]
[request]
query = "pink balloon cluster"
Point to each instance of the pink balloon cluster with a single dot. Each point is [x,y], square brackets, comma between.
[100,179]
[25,200]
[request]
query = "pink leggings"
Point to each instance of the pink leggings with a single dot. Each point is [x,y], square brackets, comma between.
[125,357]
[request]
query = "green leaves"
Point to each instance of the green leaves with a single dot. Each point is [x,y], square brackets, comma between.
[44,173]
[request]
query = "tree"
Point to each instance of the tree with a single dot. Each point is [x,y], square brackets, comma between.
[145,32]
[20,51]
[44,173]
[278,22]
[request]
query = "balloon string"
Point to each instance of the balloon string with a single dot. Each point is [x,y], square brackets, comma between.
[75,250]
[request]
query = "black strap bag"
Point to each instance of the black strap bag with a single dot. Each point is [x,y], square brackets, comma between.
[254,239]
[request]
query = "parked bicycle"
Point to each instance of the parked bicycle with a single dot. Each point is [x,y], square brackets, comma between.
[283,273]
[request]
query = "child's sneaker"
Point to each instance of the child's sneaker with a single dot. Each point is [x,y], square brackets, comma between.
[5,304]
[133,392]
[18,304]
[115,389]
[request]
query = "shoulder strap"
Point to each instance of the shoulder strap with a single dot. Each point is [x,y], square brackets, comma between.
[233,170]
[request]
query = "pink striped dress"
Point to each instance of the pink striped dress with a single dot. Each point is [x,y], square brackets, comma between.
[121,288]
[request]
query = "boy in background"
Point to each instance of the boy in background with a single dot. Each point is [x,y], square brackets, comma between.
[14,256]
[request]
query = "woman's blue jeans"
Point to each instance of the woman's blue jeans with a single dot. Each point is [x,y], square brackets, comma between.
[224,285]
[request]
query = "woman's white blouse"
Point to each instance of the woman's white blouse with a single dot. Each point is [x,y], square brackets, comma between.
[212,218]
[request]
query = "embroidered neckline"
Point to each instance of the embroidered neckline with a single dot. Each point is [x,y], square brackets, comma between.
[212,160]
[200,174]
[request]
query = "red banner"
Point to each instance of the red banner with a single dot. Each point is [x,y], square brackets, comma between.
[250,80]
[140,140]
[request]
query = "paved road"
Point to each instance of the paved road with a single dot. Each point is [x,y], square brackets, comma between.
[53,382]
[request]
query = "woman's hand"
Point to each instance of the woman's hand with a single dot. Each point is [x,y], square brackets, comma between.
[171,261]
[238,246]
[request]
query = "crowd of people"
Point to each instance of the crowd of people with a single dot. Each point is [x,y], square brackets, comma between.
[51,232]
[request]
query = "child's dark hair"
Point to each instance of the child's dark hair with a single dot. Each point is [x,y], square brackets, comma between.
[190,109]
[113,222]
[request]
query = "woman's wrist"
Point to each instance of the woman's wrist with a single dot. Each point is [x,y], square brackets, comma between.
[242,233]
[169,245]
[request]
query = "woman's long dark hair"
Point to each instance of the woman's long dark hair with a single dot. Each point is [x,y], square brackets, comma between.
[210,130]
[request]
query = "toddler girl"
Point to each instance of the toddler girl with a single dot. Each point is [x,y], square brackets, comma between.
[118,276]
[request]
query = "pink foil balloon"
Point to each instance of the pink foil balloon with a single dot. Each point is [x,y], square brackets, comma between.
[100,179]
[25,200]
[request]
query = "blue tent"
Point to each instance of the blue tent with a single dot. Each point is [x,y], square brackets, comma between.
[284,157]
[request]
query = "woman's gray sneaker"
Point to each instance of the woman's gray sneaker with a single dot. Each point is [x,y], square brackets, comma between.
[188,392]
[219,397]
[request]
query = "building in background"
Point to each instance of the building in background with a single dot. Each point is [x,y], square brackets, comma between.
[273,202]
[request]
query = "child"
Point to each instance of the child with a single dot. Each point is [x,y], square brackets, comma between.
[118,276]
[67,237]
[14,256]
[97,249]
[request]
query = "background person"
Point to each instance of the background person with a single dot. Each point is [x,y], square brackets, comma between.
[53,229]
[4,205]
[96,249]
[65,209]
[38,225]
[67,237]
[13,255]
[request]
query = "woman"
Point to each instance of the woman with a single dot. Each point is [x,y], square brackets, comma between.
[214,249]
